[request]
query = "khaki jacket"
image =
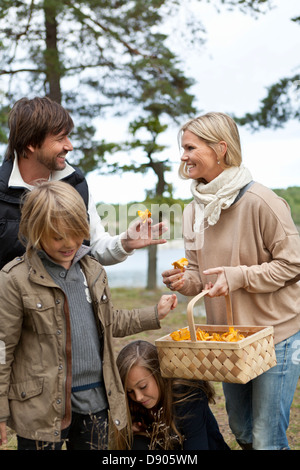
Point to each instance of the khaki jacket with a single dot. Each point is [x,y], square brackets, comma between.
[35,374]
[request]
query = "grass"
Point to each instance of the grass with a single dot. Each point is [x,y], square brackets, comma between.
[133,298]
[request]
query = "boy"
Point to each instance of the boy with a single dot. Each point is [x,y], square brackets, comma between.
[57,322]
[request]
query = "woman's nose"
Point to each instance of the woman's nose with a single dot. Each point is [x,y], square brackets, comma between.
[184,156]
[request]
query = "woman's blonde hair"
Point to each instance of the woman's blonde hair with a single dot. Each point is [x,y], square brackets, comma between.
[144,354]
[213,128]
[52,207]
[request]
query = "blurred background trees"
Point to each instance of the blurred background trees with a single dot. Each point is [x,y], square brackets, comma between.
[103,58]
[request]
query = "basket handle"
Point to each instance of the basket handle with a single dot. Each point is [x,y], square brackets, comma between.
[190,315]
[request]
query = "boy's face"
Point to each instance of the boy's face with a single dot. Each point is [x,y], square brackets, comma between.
[62,250]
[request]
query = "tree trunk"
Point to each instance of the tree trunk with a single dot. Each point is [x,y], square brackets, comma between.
[158,168]
[152,267]
[51,55]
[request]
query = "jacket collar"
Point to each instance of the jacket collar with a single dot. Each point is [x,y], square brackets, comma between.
[39,274]
[83,250]
[16,180]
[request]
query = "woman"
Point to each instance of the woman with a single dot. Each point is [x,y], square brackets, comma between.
[240,238]
[164,413]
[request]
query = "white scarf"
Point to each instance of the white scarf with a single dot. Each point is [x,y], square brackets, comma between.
[219,194]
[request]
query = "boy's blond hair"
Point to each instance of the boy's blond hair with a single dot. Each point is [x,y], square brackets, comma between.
[52,207]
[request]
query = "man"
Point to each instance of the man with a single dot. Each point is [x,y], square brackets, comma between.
[37,148]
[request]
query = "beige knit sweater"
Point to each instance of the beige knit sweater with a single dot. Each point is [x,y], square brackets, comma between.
[257,243]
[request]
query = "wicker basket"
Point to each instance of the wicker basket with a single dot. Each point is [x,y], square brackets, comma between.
[220,361]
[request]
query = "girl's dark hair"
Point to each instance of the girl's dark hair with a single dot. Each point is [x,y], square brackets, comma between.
[172,391]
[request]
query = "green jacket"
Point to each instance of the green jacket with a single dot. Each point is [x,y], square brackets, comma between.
[35,374]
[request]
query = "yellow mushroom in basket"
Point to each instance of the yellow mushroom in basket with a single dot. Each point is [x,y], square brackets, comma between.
[232,335]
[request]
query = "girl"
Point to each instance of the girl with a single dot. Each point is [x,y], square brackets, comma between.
[57,323]
[164,413]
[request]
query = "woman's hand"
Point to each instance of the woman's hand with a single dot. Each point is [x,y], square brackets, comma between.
[173,278]
[166,303]
[220,287]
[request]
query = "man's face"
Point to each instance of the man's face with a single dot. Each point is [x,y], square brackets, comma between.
[52,153]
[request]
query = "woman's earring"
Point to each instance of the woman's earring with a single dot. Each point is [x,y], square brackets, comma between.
[218,161]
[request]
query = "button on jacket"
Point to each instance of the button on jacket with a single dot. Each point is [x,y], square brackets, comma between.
[35,377]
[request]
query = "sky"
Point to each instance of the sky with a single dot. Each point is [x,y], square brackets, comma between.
[242,56]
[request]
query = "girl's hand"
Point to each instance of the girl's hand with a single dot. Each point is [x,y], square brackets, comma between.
[138,427]
[173,278]
[166,303]
[220,287]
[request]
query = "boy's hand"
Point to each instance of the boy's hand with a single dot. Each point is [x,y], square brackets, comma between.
[166,303]
[3,434]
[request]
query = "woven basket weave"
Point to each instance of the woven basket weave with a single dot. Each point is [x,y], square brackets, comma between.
[234,362]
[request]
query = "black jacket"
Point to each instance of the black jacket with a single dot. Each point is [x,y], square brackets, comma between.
[10,210]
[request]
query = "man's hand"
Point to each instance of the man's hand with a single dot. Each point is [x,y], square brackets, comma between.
[140,235]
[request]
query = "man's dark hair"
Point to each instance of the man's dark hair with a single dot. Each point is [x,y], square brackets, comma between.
[31,120]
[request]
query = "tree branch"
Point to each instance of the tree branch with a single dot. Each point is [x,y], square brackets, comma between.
[130,49]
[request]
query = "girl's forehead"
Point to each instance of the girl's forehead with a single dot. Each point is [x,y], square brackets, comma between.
[137,374]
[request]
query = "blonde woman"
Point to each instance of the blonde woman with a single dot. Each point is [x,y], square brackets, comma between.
[240,238]
[57,322]
[163,413]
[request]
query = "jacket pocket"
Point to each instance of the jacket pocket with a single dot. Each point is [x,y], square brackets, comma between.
[41,313]
[24,390]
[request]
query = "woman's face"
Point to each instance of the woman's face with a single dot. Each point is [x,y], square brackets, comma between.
[201,160]
[142,387]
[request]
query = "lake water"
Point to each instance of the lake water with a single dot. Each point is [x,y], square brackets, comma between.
[133,271]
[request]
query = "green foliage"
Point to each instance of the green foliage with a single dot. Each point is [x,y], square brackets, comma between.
[92,56]
[292,196]
[281,104]
[98,55]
